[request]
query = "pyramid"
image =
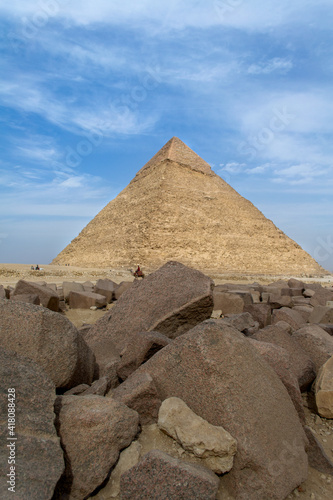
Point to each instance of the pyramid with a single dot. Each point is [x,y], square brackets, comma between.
[177,208]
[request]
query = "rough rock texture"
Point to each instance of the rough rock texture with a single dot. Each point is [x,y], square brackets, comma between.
[107,288]
[85,300]
[297,284]
[128,458]
[321,314]
[171,301]
[121,288]
[276,301]
[160,476]
[228,303]
[279,359]
[288,315]
[217,372]
[211,443]
[260,313]
[2,292]
[328,328]
[321,297]
[317,343]
[71,286]
[100,387]
[27,297]
[305,311]
[300,362]
[139,393]
[93,430]
[177,208]
[141,348]
[39,460]
[318,459]
[49,339]
[48,298]
[242,322]
[75,391]
[324,389]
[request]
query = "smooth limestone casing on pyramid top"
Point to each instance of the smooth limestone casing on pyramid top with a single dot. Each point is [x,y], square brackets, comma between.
[177,208]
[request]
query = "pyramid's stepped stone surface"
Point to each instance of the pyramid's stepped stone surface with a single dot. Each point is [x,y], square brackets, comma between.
[182,211]
[176,150]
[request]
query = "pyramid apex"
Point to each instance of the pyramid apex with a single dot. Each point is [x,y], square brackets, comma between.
[176,150]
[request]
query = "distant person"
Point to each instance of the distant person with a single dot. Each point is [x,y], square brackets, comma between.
[138,269]
[32,268]
[37,267]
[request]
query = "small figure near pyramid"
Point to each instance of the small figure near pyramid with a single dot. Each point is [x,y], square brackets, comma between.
[138,273]
[177,208]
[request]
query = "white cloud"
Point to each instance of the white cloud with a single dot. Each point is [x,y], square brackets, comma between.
[72,182]
[170,15]
[274,65]
[95,115]
[257,170]
[232,167]
[77,195]
[304,173]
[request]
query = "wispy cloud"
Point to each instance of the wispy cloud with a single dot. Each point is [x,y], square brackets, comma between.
[76,195]
[232,167]
[109,117]
[299,174]
[274,65]
[175,14]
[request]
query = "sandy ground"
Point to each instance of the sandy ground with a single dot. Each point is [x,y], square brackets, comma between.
[11,273]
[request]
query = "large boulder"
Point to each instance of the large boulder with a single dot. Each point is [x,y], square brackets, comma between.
[107,288]
[121,288]
[141,348]
[276,301]
[26,403]
[227,302]
[48,297]
[305,311]
[49,339]
[321,314]
[317,343]
[216,371]
[171,301]
[93,430]
[139,393]
[242,322]
[27,297]
[324,390]
[214,445]
[294,318]
[160,476]
[296,284]
[301,364]
[279,359]
[71,286]
[321,297]
[260,313]
[318,458]
[85,300]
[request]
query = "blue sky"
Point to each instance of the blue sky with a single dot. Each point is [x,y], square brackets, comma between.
[90,91]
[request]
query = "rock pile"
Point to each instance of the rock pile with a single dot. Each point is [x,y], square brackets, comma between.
[181,390]
[69,294]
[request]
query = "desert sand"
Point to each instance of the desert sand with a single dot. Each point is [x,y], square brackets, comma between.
[53,273]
